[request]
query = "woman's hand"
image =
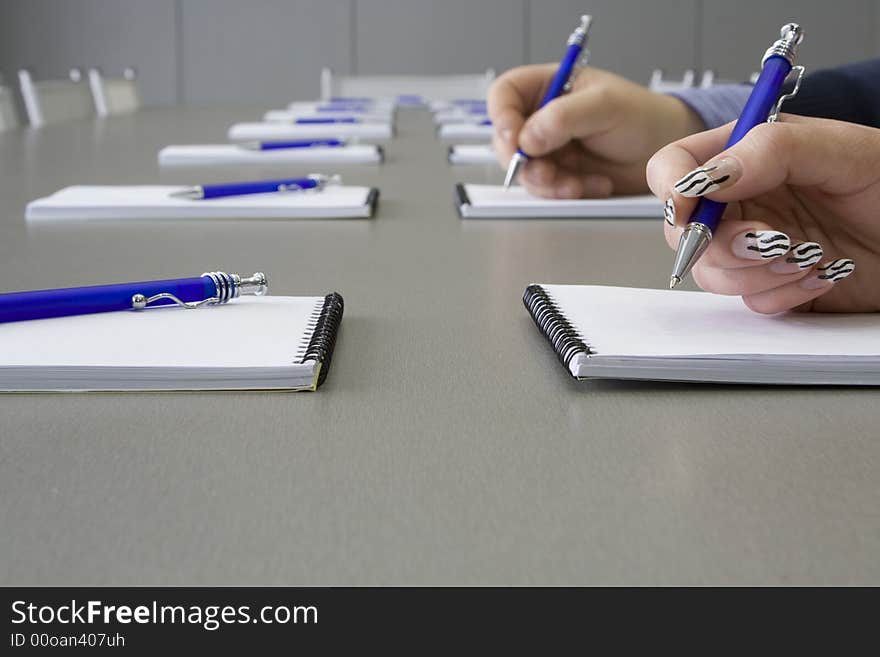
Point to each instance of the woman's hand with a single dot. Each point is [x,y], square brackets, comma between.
[802,228]
[591,142]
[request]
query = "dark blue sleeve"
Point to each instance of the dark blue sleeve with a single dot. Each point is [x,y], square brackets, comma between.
[847,93]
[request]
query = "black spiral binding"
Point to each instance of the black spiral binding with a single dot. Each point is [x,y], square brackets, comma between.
[320,347]
[562,335]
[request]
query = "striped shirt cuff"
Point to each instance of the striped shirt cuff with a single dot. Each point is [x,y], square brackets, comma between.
[715,105]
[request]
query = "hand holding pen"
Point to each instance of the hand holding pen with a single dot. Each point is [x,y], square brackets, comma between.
[575,55]
[590,142]
[800,231]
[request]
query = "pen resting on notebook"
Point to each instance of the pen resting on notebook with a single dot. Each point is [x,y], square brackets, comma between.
[211,288]
[314,181]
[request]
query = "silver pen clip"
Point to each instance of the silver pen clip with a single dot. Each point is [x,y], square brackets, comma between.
[774,115]
[580,36]
[228,286]
[139,301]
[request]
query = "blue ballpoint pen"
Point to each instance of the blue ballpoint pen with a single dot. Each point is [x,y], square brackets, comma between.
[561,82]
[208,289]
[315,181]
[339,107]
[306,120]
[301,143]
[776,65]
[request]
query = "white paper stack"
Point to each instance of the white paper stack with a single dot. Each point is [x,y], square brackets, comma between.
[495,202]
[458,116]
[168,348]
[122,202]
[472,154]
[233,154]
[266,131]
[465,132]
[286,116]
[632,333]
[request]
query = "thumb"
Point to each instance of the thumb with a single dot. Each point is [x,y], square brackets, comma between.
[836,157]
[572,116]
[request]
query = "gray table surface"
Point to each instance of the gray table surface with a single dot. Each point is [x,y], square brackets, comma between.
[448,446]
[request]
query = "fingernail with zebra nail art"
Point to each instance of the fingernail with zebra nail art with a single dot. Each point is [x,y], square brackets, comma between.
[829,273]
[760,244]
[802,256]
[709,178]
[669,212]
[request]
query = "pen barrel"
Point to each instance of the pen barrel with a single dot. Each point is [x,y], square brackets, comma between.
[563,73]
[43,304]
[322,120]
[764,95]
[257,187]
[271,146]
[352,109]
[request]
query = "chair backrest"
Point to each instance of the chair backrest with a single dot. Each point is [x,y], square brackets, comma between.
[114,95]
[55,101]
[431,87]
[708,79]
[660,85]
[8,115]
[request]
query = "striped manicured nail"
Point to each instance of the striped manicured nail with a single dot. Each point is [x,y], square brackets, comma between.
[802,256]
[709,178]
[669,212]
[760,244]
[829,273]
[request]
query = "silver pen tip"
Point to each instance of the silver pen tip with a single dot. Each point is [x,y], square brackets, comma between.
[512,169]
[190,193]
[673,281]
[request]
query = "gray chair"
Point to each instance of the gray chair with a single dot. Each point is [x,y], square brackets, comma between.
[661,85]
[56,101]
[8,115]
[114,95]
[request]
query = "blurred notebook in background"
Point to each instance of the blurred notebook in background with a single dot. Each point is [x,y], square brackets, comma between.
[133,202]
[469,132]
[472,154]
[250,343]
[670,335]
[232,154]
[495,202]
[266,131]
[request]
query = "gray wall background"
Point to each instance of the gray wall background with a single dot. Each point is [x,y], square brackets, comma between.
[270,51]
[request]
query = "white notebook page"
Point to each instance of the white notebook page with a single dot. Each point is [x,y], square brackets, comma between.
[494,201]
[248,332]
[619,321]
[156,202]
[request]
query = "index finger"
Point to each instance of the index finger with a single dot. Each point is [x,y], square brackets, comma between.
[674,160]
[511,98]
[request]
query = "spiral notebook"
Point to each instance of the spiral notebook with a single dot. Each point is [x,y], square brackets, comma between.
[145,202]
[668,335]
[220,155]
[249,343]
[495,202]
